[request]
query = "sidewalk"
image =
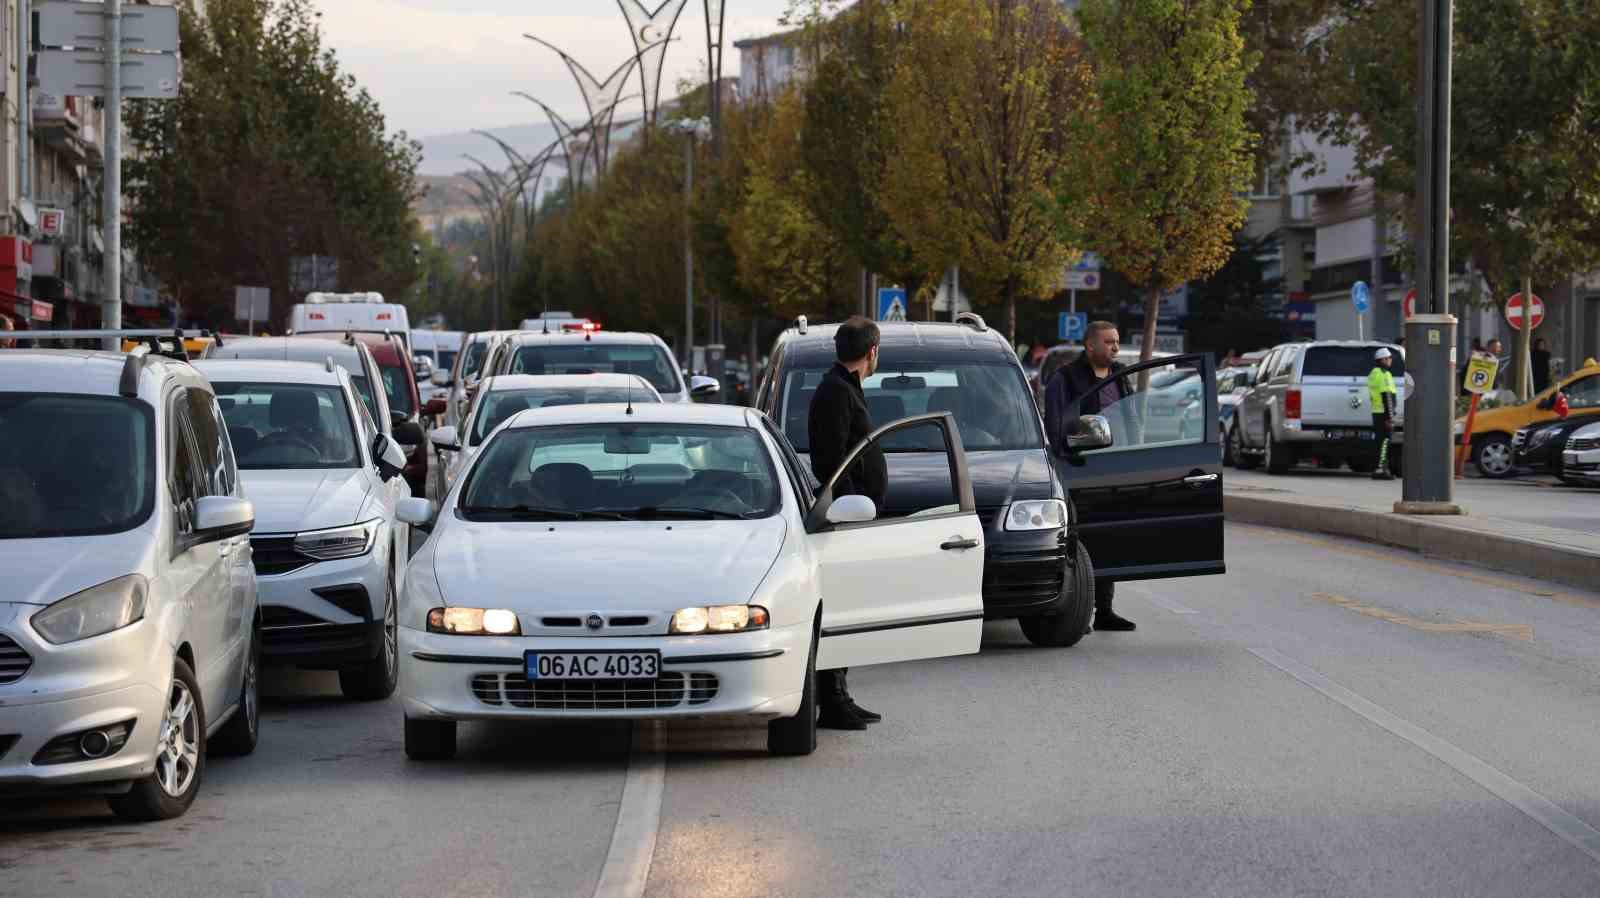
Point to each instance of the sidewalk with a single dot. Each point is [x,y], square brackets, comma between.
[1518,526]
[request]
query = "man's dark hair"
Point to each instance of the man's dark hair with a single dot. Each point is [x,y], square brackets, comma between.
[855,338]
[1094,329]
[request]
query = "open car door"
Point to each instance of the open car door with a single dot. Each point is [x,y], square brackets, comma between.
[899,589]
[1150,504]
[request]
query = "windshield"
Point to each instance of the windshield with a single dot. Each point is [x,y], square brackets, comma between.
[648,361]
[991,402]
[474,360]
[397,389]
[621,470]
[84,468]
[447,359]
[502,404]
[288,426]
[1347,361]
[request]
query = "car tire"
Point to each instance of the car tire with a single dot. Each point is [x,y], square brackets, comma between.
[1242,460]
[430,740]
[1278,458]
[376,679]
[1491,455]
[238,737]
[1066,629]
[797,735]
[180,756]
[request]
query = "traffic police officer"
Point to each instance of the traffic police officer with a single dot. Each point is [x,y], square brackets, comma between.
[1380,384]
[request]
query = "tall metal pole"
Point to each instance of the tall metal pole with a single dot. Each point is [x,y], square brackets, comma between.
[1430,335]
[25,108]
[111,316]
[688,251]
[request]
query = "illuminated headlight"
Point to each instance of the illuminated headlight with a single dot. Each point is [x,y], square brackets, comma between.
[97,610]
[719,619]
[474,622]
[1036,514]
[339,542]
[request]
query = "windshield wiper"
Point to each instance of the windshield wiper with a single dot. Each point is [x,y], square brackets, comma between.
[651,512]
[541,513]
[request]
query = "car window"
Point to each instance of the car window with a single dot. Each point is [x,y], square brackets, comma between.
[500,405]
[183,477]
[623,468]
[1346,361]
[87,466]
[280,426]
[367,424]
[647,360]
[1160,406]
[1284,365]
[447,359]
[992,404]
[1584,393]
[397,389]
[211,441]
[800,478]
[472,363]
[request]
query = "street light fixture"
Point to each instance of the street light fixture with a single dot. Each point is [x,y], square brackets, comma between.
[691,129]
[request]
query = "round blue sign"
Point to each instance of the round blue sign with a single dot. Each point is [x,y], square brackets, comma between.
[1360,296]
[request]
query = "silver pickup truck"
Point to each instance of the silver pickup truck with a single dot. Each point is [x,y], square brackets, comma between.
[1309,402]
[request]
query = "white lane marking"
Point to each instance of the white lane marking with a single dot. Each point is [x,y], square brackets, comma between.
[1152,598]
[633,841]
[1544,811]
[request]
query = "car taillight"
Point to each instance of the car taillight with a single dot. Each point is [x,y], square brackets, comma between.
[1291,404]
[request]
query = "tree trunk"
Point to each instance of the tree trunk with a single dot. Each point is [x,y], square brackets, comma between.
[1011,309]
[1152,308]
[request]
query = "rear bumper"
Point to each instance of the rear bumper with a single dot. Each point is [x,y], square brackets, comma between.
[1343,440]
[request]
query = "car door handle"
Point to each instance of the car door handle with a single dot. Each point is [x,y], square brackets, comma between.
[958,543]
[1199,480]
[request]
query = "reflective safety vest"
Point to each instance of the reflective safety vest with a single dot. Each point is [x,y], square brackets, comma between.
[1379,382]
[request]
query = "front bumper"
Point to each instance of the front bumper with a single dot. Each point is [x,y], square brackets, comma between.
[1024,572]
[327,614]
[1581,465]
[754,675]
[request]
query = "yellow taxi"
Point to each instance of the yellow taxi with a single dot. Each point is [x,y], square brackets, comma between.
[1492,429]
[196,347]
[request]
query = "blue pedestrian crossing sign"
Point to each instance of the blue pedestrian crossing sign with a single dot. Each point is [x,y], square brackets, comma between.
[1071,325]
[1360,296]
[892,304]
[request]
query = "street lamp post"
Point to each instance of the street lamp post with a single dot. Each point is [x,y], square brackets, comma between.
[690,129]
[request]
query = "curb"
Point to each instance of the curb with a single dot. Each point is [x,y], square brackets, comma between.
[1568,565]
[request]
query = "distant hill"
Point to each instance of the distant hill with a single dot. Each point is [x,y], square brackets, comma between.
[442,154]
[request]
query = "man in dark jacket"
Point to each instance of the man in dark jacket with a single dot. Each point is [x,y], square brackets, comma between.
[838,420]
[1071,394]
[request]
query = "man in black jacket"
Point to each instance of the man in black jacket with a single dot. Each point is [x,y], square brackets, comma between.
[1071,394]
[838,420]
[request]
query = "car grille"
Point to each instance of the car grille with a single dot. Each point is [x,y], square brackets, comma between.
[670,690]
[1024,578]
[277,555]
[1519,439]
[14,662]
[280,616]
[1584,445]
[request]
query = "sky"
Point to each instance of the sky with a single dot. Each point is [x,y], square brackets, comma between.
[441,66]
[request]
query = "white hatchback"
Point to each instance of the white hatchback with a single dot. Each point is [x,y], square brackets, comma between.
[128,645]
[670,561]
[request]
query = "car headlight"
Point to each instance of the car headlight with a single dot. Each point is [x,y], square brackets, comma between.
[337,542]
[99,609]
[1036,514]
[474,622]
[719,619]
[1540,437]
[1460,428]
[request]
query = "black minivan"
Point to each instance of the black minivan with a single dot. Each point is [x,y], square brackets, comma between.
[1043,548]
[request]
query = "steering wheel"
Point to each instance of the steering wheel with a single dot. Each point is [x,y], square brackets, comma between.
[286,437]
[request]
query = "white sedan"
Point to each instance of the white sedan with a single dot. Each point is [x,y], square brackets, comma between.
[602,561]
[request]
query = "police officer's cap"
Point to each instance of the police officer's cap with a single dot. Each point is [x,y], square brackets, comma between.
[1380,355]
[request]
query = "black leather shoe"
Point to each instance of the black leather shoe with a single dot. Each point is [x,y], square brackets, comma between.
[839,717]
[864,714]
[1110,622]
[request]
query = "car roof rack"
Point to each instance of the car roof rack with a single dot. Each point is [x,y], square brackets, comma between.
[166,342]
[800,324]
[973,320]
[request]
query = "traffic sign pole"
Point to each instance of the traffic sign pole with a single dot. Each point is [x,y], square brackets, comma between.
[1530,320]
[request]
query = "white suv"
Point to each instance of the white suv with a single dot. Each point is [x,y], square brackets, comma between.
[128,639]
[328,549]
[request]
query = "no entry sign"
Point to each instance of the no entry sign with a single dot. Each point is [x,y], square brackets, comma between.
[1514,311]
[1409,305]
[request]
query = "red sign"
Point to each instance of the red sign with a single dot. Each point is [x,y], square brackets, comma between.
[52,222]
[42,311]
[1409,304]
[1514,311]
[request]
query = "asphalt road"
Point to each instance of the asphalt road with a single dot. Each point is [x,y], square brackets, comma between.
[1328,719]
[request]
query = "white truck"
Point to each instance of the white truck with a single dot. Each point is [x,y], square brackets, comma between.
[360,312]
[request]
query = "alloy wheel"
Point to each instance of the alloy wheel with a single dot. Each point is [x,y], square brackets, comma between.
[1495,458]
[391,645]
[252,686]
[178,745]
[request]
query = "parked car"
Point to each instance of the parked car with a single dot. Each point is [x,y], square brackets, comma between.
[1492,429]
[468,368]
[1580,461]
[329,551]
[535,352]
[1045,549]
[129,638]
[755,581]
[405,401]
[348,353]
[1232,385]
[1539,447]
[1310,402]
[501,397]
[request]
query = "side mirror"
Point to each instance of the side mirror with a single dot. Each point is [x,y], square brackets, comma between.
[1548,402]
[1087,433]
[445,438]
[852,510]
[441,378]
[409,433]
[700,385]
[433,407]
[221,517]
[396,418]
[414,511]
[390,460]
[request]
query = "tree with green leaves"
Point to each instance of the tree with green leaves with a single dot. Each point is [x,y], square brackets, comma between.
[981,97]
[1524,168]
[1170,148]
[269,152]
